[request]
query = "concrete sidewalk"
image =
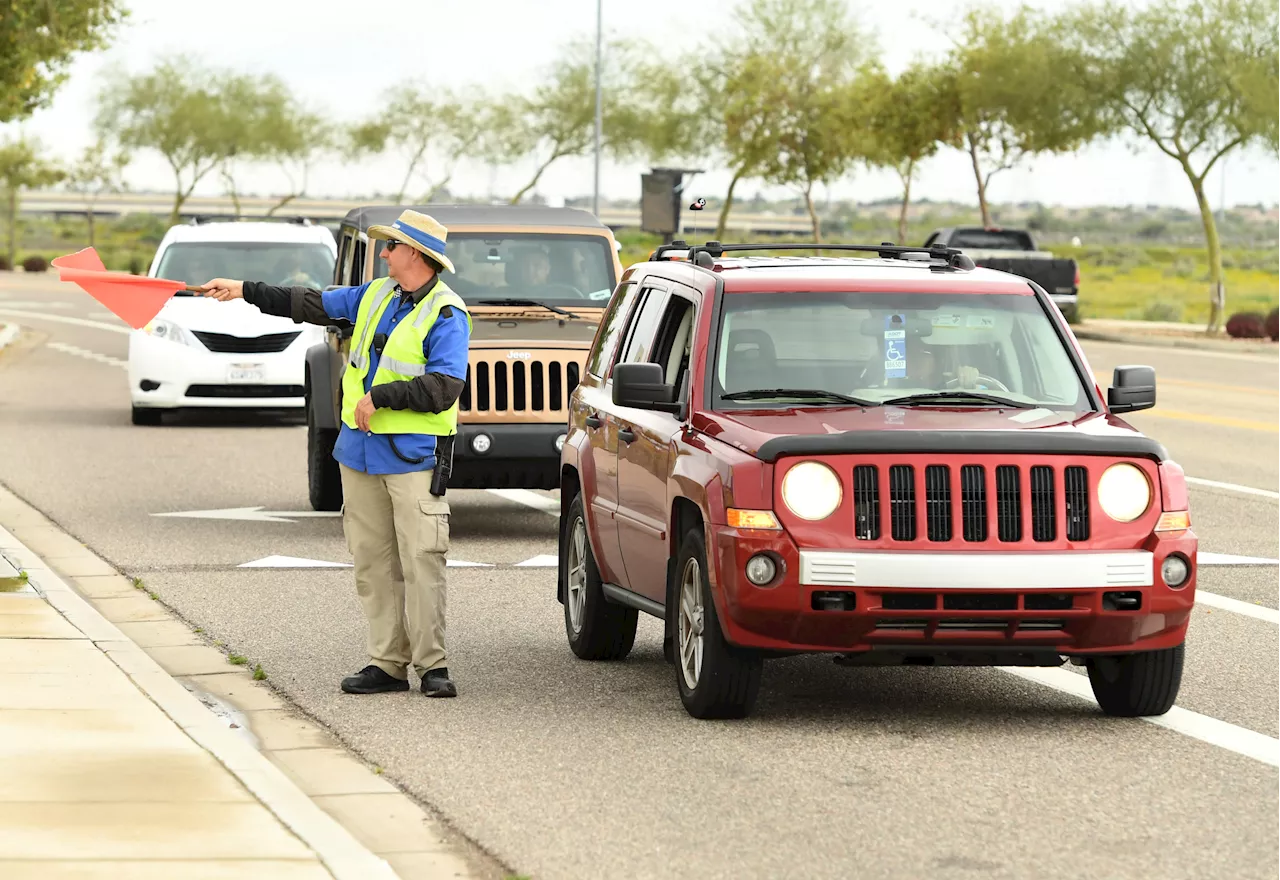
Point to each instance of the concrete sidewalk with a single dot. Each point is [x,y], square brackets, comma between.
[110,768]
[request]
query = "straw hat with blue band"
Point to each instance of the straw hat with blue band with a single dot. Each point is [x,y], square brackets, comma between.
[420,232]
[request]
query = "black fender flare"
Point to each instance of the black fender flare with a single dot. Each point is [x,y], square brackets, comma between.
[320,390]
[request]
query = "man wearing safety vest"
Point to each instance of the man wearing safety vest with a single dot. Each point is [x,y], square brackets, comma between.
[399,407]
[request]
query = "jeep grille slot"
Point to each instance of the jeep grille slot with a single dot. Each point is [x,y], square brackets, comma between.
[937,501]
[866,503]
[902,502]
[973,502]
[1043,522]
[1008,503]
[1076,489]
[537,385]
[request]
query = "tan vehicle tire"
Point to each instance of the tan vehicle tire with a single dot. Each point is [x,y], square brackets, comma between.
[597,629]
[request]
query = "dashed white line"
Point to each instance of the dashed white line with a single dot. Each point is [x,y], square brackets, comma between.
[78,322]
[1233,487]
[1231,737]
[91,355]
[529,499]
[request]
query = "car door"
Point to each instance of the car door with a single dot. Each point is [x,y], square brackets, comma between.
[599,469]
[644,452]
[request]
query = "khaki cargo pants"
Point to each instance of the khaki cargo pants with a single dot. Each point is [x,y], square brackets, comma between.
[398,533]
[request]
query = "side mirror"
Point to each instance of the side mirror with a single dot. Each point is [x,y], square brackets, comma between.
[641,386]
[1132,389]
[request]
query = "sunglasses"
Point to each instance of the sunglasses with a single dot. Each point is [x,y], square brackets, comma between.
[392,244]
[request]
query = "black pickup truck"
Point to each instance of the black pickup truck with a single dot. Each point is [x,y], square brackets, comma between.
[1014,251]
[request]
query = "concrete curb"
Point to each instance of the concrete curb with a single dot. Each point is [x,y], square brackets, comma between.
[1216,345]
[338,850]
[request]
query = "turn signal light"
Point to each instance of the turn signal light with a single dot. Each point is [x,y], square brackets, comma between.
[1174,521]
[752,519]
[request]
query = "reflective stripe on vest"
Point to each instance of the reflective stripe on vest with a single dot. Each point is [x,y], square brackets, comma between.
[402,359]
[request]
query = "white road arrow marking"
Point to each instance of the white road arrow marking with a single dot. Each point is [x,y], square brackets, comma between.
[298,562]
[1227,559]
[251,514]
[543,561]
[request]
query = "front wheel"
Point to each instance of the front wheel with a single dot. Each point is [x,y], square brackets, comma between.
[1132,685]
[715,679]
[142,415]
[597,628]
[324,481]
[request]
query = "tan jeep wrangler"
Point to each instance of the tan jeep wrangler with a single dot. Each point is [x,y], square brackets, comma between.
[536,281]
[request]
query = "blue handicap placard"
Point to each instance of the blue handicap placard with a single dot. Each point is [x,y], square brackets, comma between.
[895,347]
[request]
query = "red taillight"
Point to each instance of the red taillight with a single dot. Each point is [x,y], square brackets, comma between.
[1077,282]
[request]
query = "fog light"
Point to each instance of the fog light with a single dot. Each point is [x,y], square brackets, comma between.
[1175,571]
[560,443]
[480,443]
[761,569]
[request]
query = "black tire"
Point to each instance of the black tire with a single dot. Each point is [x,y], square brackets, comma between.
[144,416]
[1072,314]
[324,482]
[728,681]
[1132,685]
[604,630]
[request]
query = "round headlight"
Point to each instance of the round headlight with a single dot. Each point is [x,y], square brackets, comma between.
[811,490]
[1124,492]
[560,443]
[761,569]
[1174,570]
[481,443]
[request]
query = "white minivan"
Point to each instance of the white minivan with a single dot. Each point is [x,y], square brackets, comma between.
[199,352]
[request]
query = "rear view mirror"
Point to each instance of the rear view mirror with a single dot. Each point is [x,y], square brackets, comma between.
[641,386]
[1132,388]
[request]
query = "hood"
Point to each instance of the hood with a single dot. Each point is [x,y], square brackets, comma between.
[749,429]
[236,318]
[509,326]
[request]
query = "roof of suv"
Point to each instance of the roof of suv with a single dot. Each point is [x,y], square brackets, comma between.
[893,269]
[500,216]
[250,230]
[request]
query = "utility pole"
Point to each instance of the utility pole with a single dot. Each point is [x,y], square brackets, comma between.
[595,201]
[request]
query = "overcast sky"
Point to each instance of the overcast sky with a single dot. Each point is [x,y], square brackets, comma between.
[340,56]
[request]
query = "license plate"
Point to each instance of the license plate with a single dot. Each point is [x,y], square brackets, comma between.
[246,373]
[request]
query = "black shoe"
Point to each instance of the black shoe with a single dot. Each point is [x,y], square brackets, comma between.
[373,680]
[436,683]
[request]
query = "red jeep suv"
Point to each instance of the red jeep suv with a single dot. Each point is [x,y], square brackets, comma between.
[894,457]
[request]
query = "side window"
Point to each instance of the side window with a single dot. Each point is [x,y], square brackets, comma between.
[675,340]
[343,270]
[356,277]
[640,338]
[610,330]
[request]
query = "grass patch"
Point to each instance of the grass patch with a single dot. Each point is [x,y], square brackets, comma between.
[259,674]
[237,659]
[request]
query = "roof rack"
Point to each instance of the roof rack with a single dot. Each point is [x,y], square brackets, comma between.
[705,255]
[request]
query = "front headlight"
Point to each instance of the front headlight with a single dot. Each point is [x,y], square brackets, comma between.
[162,329]
[811,490]
[1124,492]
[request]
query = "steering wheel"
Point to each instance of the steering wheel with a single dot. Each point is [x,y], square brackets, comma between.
[989,381]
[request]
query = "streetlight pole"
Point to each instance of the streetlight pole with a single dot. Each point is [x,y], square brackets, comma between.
[595,201]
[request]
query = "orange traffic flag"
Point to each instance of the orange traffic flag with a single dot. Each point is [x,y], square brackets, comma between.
[136,299]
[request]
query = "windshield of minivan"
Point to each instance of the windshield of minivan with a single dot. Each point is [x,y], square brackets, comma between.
[561,270]
[877,346]
[291,264]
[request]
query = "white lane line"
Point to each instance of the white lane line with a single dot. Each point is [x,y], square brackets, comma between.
[1233,487]
[91,355]
[1236,739]
[59,319]
[1226,603]
[1203,558]
[529,499]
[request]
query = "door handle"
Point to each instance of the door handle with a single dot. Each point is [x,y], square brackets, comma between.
[626,435]
[593,421]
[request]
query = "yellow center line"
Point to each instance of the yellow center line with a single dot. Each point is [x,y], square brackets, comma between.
[1224,421]
[1104,381]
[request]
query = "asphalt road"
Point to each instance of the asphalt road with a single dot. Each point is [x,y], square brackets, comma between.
[566,769]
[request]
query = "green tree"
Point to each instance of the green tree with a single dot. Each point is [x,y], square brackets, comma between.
[301,138]
[98,171]
[21,167]
[909,118]
[1197,79]
[250,114]
[38,42]
[1011,96]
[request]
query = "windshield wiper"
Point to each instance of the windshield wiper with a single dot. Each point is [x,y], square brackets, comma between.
[938,396]
[526,302]
[809,393]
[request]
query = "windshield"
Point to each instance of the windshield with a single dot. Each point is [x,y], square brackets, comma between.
[277,263]
[876,347]
[560,270]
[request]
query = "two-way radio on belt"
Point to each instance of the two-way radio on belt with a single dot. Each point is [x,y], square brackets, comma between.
[444,444]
